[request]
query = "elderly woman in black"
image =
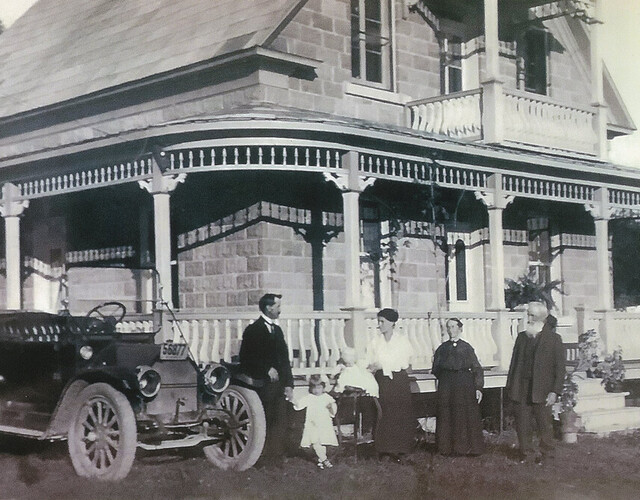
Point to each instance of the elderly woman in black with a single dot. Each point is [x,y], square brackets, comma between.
[389,354]
[460,382]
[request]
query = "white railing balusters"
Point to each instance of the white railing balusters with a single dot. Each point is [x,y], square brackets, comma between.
[204,354]
[227,340]
[302,344]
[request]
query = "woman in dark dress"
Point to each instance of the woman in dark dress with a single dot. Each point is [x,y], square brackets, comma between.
[389,354]
[460,382]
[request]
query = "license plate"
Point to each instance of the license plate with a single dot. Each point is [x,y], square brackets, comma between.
[170,350]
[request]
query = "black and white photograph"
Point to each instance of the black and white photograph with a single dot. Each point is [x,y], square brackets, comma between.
[319,249]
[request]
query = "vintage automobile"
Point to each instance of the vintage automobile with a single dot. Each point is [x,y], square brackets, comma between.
[107,393]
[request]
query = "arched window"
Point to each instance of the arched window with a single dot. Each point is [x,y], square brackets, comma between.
[461,271]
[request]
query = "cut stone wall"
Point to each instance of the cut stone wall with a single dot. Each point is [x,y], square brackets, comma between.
[420,279]
[231,274]
[580,278]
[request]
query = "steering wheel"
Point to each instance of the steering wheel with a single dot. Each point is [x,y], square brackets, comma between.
[109,313]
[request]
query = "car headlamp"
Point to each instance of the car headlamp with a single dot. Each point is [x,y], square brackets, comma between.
[148,381]
[86,352]
[216,378]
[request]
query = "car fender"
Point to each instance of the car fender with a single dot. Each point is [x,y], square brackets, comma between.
[120,379]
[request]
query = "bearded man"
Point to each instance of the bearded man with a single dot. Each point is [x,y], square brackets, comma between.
[535,379]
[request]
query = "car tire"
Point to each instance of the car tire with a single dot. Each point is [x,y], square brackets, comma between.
[244,438]
[102,437]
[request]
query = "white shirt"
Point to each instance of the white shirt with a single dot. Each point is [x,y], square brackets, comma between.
[393,355]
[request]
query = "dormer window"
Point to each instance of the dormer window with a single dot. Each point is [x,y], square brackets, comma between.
[534,49]
[371,41]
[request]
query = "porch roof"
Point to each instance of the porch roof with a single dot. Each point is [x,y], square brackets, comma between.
[63,49]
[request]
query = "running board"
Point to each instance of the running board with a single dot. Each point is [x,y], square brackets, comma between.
[194,440]
[20,431]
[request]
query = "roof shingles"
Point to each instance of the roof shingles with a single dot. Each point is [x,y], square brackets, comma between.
[63,49]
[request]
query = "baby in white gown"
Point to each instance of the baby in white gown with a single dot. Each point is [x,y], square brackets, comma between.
[355,375]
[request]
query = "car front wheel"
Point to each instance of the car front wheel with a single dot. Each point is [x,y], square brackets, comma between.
[243,433]
[102,436]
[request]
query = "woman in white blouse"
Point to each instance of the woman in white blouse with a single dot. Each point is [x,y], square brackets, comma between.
[389,355]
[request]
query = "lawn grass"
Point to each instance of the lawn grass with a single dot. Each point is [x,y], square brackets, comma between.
[593,468]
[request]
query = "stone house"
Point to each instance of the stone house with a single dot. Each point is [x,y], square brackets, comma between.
[349,154]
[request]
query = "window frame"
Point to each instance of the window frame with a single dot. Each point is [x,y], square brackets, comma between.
[449,60]
[524,62]
[386,37]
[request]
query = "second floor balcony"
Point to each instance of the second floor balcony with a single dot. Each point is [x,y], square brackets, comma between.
[525,119]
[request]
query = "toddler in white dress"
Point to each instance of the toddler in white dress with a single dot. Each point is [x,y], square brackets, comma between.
[318,430]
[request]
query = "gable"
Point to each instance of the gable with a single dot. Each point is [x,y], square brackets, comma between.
[63,49]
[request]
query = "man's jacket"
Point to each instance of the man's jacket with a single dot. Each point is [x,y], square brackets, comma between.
[548,365]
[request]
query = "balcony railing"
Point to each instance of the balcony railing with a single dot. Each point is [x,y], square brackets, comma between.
[455,115]
[527,119]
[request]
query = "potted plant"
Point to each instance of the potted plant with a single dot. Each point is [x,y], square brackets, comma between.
[527,289]
[611,370]
[588,352]
[569,419]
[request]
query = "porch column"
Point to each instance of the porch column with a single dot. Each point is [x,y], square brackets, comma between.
[161,186]
[496,201]
[601,211]
[351,185]
[492,105]
[597,94]
[11,209]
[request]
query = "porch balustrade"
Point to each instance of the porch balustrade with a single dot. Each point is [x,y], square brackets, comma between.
[528,119]
[619,329]
[541,121]
[316,338]
[455,115]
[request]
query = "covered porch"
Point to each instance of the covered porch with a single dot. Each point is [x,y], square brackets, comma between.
[172,189]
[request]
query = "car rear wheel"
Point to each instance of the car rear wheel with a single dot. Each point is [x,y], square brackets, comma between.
[102,436]
[245,431]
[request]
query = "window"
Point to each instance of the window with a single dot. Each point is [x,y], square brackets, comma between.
[534,48]
[461,271]
[371,41]
[539,249]
[370,262]
[450,65]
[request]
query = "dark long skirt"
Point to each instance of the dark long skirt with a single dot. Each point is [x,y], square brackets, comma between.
[395,431]
[458,425]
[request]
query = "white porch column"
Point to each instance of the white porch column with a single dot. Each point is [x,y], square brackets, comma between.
[492,100]
[11,209]
[496,201]
[351,215]
[597,93]
[601,211]
[351,185]
[161,186]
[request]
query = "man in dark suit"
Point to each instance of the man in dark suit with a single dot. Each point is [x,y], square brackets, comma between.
[535,379]
[265,358]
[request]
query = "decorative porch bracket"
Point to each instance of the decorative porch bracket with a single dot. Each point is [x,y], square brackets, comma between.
[351,184]
[160,187]
[11,209]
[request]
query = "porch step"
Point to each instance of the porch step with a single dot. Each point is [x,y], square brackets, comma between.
[606,401]
[605,421]
[589,387]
